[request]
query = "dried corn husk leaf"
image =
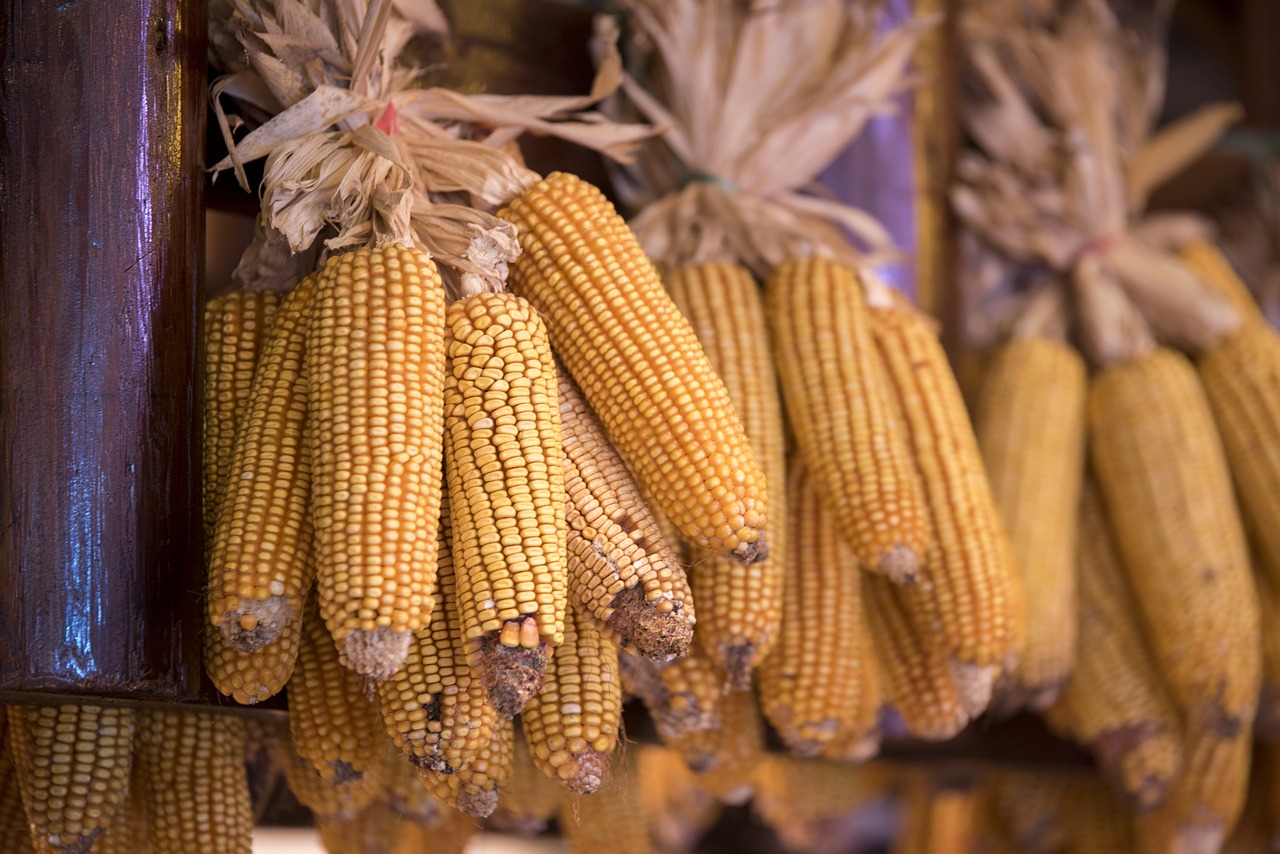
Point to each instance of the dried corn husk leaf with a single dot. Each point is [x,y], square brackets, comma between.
[755,100]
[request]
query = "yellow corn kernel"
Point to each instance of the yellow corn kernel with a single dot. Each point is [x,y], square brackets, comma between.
[639,363]
[435,707]
[742,609]
[611,818]
[529,795]
[129,832]
[235,329]
[1241,378]
[1206,261]
[572,722]
[621,570]
[504,462]
[683,699]
[813,674]
[1115,701]
[858,737]
[1167,491]
[251,677]
[914,672]
[260,568]
[197,791]
[1030,427]
[72,764]
[334,722]
[840,407]
[375,357]
[968,592]
[1205,804]
[474,789]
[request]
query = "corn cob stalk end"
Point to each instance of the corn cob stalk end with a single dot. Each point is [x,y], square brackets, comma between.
[377,654]
[256,623]
[1138,773]
[583,773]
[974,685]
[901,564]
[653,632]
[511,672]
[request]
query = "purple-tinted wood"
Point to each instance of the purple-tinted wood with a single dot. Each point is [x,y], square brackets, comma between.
[102,114]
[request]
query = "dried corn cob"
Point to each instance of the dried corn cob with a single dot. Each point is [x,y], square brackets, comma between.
[504,461]
[1030,427]
[376,828]
[939,820]
[260,568]
[1032,808]
[235,328]
[334,723]
[529,795]
[375,355]
[1206,261]
[1241,378]
[1168,493]
[683,699]
[621,570]
[1205,803]
[813,674]
[572,722]
[639,364]
[1115,701]
[15,832]
[474,789]
[403,792]
[733,749]
[435,707]
[840,408]
[611,819]
[251,677]
[914,675]
[742,610]
[324,797]
[969,594]
[858,738]
[72,764]
[129,832]
[197,792]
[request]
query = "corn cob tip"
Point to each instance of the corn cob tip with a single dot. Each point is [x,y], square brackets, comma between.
[974,685]
[510,674]
[749,553]
[1122,760]
[737,665]
[256,623]
[377,654]
[1041,697]
[584,772]
[859,749]
[480,804]
[656,634]
[901,565]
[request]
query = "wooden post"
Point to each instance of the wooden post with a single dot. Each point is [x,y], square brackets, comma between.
[102,115]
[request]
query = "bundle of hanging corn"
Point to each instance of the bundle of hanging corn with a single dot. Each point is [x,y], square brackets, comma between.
[431,467]
[888,579]
[1119,349]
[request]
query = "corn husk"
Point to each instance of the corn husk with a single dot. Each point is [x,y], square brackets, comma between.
[1059,109]
[754,102]
[358,152]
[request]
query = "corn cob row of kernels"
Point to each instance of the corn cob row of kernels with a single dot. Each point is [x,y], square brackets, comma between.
[840,405]
[611,818]
[72,764]
[639,364]
[435,707]
[968,595]
[1030,426]
[1116,702]
[474,789]
[529,795]
[732,751]
[813,675]
[15,832]
[621,569]
[742,608]
[683,699]
[504,463]
[572,723]
[197,790]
